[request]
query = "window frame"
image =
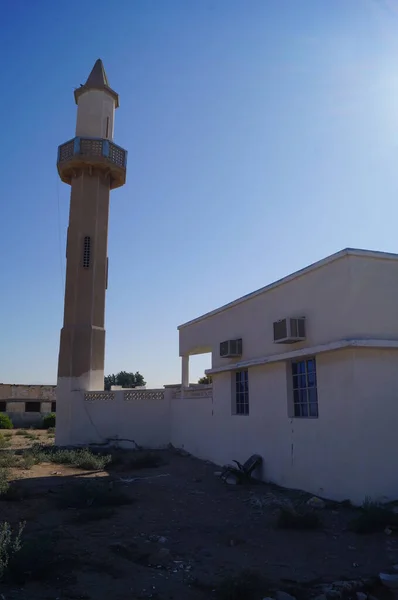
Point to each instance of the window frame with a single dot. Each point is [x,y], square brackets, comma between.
[53,407]
[303,378]
[241,406]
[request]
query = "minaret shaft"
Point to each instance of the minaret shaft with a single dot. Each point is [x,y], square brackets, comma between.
[82,345]
[93,165]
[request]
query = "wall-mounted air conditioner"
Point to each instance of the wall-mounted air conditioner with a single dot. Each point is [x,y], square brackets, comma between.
[231,348]
[289,330]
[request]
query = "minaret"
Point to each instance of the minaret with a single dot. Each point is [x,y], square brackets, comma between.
[92,165]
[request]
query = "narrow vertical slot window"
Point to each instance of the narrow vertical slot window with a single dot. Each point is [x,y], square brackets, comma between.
[86,252]
[107,127]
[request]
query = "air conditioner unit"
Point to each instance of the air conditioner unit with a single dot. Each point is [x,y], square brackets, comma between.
[231,348]
[289,330]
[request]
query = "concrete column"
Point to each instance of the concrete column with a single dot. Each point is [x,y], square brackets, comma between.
[185,371]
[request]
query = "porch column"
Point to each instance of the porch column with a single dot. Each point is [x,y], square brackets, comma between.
[185,371]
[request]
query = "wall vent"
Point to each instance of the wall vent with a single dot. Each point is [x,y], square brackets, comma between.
[289,330]
[231,348]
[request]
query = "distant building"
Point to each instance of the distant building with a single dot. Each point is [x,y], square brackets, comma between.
[26,405]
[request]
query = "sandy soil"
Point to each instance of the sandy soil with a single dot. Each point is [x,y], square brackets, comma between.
[181,533]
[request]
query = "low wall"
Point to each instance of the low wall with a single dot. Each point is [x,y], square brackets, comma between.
[125,416]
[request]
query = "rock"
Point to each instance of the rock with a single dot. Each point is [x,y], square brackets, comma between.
[217,473]
[388,531]
[315,502]
[284,596]
[162,539]
[231,480]
[321,597]
[361,596]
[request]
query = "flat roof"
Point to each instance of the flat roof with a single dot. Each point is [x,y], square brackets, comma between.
[312,267]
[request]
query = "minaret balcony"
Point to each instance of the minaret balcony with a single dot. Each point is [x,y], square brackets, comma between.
[92,154]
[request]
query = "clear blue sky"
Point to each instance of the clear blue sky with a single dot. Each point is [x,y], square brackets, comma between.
[262,136]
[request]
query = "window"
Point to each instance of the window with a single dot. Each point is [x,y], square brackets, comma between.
[32,407]
[242,393]
[305,395]
[53,406]
[86,252]
[3,406]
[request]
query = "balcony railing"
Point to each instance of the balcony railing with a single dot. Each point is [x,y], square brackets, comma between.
[80,146]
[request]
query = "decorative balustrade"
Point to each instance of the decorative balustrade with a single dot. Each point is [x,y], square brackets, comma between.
[144,395]
[92,396]
[187,393]
[99,153]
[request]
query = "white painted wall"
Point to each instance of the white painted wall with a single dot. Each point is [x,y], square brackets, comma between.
[94,108]
[81,422]
[348,452]
[352,296]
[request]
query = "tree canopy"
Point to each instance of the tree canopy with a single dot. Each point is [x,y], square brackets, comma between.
[205,380]
[124,379]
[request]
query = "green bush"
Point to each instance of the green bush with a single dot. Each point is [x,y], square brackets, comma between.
[81,459]
[5,442]
[373,517]
[5,422]
[9,545]
[4,485]
[49,421]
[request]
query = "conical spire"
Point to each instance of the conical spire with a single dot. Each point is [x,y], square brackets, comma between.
[97,80]
[97,77]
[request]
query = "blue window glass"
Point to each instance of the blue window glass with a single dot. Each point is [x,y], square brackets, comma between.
[242,392]
[305,393]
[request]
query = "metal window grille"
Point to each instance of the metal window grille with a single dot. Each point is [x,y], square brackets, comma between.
[242,392]
[86,252]
[305,393]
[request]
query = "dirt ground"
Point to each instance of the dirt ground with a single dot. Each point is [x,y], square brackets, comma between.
[180,533]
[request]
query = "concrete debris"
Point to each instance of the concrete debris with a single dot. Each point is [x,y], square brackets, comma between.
[270,500]
[231,480]
[315,502]
[361,596]
[217,473]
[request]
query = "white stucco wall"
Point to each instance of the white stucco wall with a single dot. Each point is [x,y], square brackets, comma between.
[94,108]
[349,451]
[352,296]
[82,422]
